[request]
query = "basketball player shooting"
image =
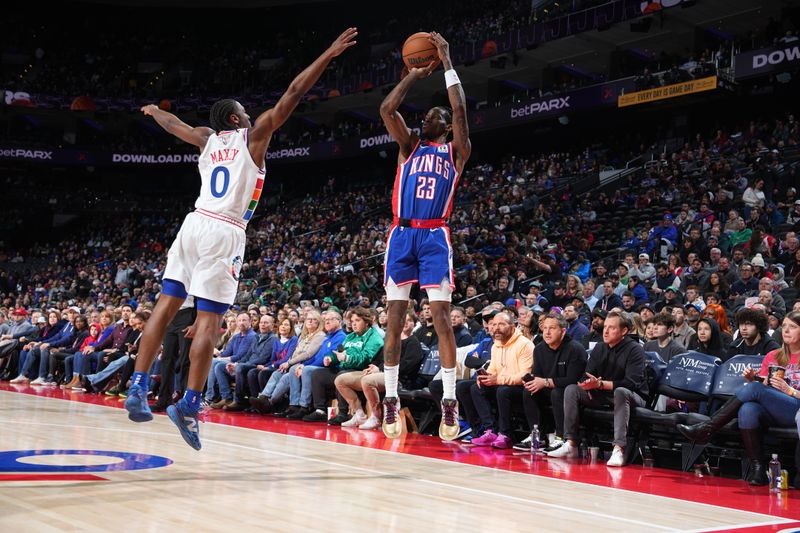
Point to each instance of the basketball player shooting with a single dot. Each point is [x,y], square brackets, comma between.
[418,246]
[205,259]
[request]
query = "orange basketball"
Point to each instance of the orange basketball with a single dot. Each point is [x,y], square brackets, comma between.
[419,51]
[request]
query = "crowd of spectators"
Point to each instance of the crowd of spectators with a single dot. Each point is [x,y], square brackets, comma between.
[717,273]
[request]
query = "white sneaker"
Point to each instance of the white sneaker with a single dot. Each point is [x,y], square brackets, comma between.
[357,419]
[20,379]
[567,451]
[38,381]
[372,422]
[617,457]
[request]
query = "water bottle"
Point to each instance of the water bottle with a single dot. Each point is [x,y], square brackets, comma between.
[774,474]
[536,439]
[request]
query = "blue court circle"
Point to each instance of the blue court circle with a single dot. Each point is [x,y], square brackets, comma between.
[9,461]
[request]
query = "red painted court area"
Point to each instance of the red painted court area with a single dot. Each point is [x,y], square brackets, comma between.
[717,491]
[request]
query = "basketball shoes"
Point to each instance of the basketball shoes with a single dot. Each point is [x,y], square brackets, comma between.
[449,427]
[392,424]
[136,404]
[187,423]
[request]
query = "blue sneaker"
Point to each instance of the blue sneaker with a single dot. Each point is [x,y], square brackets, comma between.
[187,423]
[464,429]
[136,404]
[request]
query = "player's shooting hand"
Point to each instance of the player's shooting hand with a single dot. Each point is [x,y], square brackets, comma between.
[419,73]
[442,47]
[149,109]
[343,42]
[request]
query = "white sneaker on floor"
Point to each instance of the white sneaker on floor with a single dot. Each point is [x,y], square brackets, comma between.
[617,457]
[567,451]
[372,422]
[357,419]
[38,381]
[20,379]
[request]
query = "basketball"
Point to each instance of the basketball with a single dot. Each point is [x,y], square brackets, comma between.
[419,51]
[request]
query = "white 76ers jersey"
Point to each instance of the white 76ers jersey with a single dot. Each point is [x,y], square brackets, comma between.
[231,181]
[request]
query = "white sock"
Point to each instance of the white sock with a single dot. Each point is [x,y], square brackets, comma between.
[449,383]
[390,379]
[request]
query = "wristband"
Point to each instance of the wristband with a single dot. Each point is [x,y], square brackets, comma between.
[451,78]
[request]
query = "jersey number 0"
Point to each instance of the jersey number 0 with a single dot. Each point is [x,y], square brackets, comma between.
[226,179]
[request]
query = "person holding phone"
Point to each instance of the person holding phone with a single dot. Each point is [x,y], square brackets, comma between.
[767,399]
[512,358]
[559,361]
[615,376]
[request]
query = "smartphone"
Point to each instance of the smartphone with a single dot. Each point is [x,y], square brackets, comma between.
[482,372]
[527,377]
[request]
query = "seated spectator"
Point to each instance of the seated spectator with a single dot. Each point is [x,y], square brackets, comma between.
[766,400]
[617,364]
[638,290]
[300,392]
[512,358]
[709,340]
[610,299]
[370,381]
[716,312]
[426,333]
[559,361]
[122,363]
[63,338]
[575,328]
[752,334]
[458,319]
[26,360]
[644,271]
[663,343]
[73,365]
[57,357]
[358,350]
[10,341]
[266,349]
[238,346]
[114,343]
[308,344]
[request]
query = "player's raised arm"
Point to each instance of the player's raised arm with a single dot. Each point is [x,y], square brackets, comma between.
[272,119]
[457,101]
[394,122]
[172,124]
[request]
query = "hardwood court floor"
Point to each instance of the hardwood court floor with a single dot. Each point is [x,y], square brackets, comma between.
[260,473]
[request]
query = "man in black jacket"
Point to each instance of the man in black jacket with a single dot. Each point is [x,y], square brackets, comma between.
[615,375]
[610,300]
[558,362]
[753,338]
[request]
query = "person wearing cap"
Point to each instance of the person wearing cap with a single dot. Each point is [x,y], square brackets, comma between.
[793,217]
[575,327]
[663,238]
[644,270]
[693,314]
[595,329]
[601,275]
[11,340]
[671,297]
[20,327]
[560,297]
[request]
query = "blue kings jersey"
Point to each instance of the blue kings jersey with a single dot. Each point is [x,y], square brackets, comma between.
[425,185]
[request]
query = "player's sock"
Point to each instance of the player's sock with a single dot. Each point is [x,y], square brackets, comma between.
[192,399]
[390,377]
[449,383]
[141,379]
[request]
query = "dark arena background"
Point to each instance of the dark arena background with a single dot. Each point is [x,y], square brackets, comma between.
[634,172]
